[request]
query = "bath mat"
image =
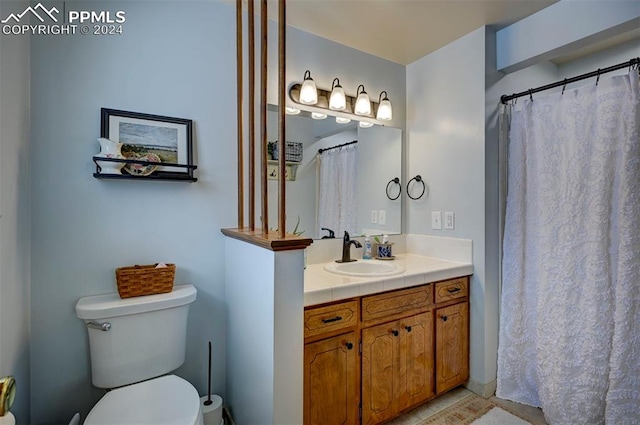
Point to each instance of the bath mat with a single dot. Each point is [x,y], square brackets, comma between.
[497,416]
[466,411]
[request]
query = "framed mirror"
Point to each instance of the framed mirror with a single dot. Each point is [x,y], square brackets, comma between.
[343,179]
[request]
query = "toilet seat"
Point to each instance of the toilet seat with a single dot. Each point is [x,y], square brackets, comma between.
[168,400]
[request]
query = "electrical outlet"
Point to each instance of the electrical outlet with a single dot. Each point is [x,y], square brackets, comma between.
[374,216]
[436,220]
[382,217]
[449,220]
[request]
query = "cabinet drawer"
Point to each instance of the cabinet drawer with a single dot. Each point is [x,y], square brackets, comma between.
[331,318]
[450,289]
[405,300]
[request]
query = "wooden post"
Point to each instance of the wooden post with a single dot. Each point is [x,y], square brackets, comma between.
[263,116]
[282,191]
[239,68]
[252,120]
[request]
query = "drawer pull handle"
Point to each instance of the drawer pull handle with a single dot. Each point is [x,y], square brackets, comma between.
[408,328]
[333,319]
[349,345]
[453,290]
[395,332]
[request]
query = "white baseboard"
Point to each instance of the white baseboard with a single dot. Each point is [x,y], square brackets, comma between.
[487,390]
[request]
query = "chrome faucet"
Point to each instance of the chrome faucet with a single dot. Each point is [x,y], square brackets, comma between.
[346,248]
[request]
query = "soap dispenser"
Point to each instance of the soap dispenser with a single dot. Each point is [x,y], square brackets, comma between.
[366,252]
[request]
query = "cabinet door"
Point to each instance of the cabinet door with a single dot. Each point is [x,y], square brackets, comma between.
[379,372]
[452,346]
[331,381]
[416,360]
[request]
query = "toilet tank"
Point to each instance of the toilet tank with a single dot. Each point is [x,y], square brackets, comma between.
[146,337]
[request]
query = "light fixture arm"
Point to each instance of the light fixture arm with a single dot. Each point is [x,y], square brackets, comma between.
[380,99]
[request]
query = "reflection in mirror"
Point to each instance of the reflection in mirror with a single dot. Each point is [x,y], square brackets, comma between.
[340,187]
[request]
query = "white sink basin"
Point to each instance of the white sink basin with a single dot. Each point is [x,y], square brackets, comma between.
[364,268]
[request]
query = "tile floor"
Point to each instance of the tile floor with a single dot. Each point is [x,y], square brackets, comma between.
[439,404]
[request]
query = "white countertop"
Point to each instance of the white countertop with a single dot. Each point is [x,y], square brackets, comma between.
[321,286]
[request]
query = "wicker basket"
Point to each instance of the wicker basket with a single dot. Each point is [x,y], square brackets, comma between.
[135,281]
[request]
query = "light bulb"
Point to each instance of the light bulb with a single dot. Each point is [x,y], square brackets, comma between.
[338,100]
[363,104]
[308,90]
[291,111]
[385,112]
[341,120]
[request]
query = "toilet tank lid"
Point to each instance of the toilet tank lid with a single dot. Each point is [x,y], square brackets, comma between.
[111,305]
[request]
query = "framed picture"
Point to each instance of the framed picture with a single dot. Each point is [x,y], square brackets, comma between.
[151,138]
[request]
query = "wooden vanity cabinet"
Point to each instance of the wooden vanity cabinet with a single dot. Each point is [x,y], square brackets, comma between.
[332,365]
[368,359]
[397,366]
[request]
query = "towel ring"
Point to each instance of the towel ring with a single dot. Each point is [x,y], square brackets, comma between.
[418,179]
[395,180]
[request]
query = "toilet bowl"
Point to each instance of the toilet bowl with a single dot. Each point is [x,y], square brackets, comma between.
[168,400]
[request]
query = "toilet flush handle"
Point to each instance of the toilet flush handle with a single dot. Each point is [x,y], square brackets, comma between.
[105,326]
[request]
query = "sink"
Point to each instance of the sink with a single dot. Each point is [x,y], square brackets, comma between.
[364,268]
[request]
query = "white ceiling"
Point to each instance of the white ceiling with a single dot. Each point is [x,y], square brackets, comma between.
[402,31]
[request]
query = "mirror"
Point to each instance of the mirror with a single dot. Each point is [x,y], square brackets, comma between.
[342,186]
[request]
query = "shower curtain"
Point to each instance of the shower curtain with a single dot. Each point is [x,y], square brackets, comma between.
[570,311]
[337,182]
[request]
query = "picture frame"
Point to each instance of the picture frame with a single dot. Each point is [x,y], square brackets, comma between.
[169,138]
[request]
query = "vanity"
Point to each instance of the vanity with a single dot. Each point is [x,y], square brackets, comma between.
[383,344]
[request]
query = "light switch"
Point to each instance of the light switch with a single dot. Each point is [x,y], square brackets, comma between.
[436,220]
[449,220]
[382,217]
[374,216]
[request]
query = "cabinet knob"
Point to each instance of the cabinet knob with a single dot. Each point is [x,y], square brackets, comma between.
[395,332]
[444,318]
[408,328]
[348,345]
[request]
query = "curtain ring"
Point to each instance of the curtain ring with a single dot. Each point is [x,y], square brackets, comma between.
[395,180]
[598,78]
[418,179]
[564,86]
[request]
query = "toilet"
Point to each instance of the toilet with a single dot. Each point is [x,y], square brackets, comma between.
[135,343]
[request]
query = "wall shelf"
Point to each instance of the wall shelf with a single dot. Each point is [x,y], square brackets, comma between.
[156,175]
[291,168]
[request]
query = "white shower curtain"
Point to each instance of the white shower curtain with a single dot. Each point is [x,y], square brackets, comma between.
[570,310]
[337,203]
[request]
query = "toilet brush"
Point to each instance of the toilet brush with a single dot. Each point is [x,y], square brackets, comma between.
[208,402]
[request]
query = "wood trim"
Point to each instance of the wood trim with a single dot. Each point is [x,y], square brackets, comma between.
[263,118]
[240,82]
[282,191]
[252,117]
[270,241]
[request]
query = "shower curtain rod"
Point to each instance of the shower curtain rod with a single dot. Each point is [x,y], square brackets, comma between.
[337,146]
[633,62]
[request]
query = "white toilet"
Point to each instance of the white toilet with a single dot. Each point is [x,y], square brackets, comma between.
[133,343]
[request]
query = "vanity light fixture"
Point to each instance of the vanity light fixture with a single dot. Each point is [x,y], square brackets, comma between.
[363,104]
[385,112]
[341,120]
[291,110]
[338,100]
[365,124]
[308,91]
[318,116]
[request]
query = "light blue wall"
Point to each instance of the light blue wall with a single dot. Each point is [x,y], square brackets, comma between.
[14,212]
[174,59]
